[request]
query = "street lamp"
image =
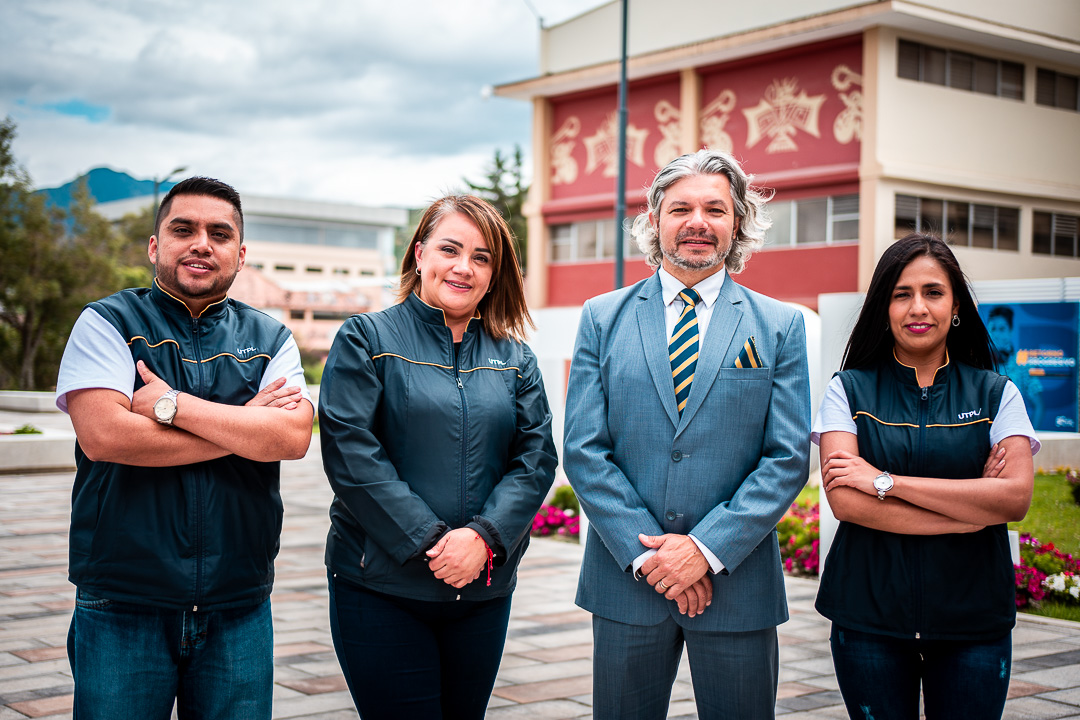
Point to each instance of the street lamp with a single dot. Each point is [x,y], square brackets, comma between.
[158,182]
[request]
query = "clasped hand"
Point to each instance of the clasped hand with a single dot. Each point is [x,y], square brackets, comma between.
[458,557]
[679,571]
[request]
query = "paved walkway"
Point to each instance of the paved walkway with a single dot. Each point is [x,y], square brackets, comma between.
[546,669]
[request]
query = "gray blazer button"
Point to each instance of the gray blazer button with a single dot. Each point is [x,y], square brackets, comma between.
[676,456]
[671,515]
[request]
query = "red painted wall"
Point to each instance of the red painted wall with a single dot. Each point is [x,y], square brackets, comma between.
[787,111]
[793,275]
[584,137]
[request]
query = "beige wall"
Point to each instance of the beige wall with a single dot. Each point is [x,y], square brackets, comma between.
[952,137]
[269,254]
[593,38]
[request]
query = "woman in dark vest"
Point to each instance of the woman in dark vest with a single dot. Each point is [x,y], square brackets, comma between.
[926,454]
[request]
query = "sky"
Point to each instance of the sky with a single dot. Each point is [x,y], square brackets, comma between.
[361,101]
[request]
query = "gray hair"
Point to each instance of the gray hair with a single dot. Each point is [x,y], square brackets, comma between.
[749,206]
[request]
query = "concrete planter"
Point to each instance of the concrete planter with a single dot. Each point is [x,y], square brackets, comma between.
[26,401]
[51,450]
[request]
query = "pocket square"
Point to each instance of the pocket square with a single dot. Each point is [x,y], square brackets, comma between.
[748,356]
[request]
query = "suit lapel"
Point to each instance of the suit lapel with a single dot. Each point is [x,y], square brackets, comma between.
[653,329]
[722,327]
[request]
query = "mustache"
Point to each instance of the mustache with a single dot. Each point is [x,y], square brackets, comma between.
[705,235]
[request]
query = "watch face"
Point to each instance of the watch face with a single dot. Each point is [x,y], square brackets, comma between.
[883,482]
[164,408]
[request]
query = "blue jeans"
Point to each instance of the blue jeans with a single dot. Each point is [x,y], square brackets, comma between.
[134,661]
[417,660]
[879,676]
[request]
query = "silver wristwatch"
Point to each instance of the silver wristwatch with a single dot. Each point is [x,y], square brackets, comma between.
[883,483]
[165,407]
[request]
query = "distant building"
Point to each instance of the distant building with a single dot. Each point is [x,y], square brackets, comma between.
[868,119]
[310,264]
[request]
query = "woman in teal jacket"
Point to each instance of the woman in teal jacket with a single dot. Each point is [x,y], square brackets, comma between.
[436,438]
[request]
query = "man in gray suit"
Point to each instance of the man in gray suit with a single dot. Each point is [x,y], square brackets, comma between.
[687,437]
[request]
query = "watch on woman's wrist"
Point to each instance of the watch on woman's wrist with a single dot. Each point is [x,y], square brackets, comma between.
[883,483]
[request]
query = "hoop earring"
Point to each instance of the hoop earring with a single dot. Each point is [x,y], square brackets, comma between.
[956,321]
[418,271]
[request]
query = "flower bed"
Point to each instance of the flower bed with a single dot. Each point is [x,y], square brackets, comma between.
[560,517]
[1045,574]
[799,535]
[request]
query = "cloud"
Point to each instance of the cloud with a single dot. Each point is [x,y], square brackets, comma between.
[324,99]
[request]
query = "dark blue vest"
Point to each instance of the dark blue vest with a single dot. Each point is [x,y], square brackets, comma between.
[956,586]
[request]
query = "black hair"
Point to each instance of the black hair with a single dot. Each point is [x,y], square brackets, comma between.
[202,186]
[871,340]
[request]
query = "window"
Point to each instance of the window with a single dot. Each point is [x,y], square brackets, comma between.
[820,221]
[1058,90]
[367,273]
[959,222]
[285,268]
[330,315]
[960,70]
[1056,234]
[313,270]
[590,240]
[341,271]
[296,314]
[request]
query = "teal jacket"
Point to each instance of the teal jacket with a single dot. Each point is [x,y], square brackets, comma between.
[951,587]
[418,439]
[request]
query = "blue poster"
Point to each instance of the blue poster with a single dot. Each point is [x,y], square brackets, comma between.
[1036,346]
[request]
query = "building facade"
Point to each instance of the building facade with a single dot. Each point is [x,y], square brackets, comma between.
[865,119]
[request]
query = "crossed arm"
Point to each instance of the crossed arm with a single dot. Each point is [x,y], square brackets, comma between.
[274,425]
[928,506]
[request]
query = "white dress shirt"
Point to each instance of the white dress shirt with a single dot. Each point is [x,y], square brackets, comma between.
[709,290]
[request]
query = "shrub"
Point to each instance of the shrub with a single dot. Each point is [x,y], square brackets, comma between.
[799,535]
[1072,476]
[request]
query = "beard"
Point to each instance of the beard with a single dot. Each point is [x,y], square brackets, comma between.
[702,262]
[169,279]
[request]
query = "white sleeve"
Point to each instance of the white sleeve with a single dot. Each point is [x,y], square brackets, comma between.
[96,356]
[834,414]
[286,363]
[1012,419]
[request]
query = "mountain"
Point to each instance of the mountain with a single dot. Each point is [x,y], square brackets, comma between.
[105,185]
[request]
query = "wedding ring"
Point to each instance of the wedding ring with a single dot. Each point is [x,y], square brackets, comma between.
[662,585]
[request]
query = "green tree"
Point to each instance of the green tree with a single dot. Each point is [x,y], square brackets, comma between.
[54,263]
[135,230]
[505,189]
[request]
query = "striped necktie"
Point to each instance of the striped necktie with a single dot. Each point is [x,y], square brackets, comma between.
[683,348]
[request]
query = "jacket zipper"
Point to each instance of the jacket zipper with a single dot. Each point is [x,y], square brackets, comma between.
[464,432]
[197,481]
[924,416]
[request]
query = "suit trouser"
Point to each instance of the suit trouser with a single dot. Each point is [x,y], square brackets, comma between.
[634,666]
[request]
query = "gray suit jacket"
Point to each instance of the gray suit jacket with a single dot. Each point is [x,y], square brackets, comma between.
[726,471]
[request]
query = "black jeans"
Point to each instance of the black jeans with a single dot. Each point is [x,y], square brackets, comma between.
[407,659]
[879,676]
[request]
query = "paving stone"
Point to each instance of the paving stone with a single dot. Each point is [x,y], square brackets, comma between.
[318,685]
[39,654]
[546,690]
[45,706]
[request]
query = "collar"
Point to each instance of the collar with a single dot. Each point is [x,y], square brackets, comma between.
[908,375]
[708,289]
[431,314]
[175,304]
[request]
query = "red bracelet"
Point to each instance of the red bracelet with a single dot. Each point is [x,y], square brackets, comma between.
[490,554]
